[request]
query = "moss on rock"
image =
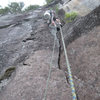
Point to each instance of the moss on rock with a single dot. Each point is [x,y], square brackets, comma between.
[7,73]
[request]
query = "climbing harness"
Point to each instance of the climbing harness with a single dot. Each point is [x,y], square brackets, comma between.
[47,83]
[68,68]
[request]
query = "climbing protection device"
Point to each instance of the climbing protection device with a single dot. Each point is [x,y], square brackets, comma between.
[68,67]
[45,94]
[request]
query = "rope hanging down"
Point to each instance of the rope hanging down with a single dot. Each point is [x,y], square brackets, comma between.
[45,94]
[68,67]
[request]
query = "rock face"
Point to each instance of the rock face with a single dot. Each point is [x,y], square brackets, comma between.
[82,7]
[81,26]
[17,33]
[13,29]
[26,42]
[30,80]
[84,55]
[83,45]
[24,34]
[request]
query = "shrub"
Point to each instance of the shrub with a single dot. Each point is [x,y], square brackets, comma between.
[48,1]
[69,17]
[13,7]
[32,7]
[4,10]
[56,8]
[16,7]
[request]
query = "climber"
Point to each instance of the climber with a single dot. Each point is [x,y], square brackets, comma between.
[51,19]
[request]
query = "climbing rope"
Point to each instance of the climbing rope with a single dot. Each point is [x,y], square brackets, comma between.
[47,83]
[68,67]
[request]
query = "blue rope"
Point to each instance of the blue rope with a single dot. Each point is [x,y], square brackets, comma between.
[68,68]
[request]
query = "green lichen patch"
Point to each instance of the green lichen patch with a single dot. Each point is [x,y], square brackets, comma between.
[7,73]
[69,17]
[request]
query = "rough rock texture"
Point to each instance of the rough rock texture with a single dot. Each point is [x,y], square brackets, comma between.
[16,40]
[13,29]
[84,57]
[54,2]
[81,26]
[29,82]
[82,7]
[28,36]
[83,45]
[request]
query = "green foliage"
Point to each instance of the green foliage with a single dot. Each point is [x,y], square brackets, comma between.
[32,7]
[1,11]
[7,73]
[4,10]
[69,17]
[48,1]
[16,7]
[56,8]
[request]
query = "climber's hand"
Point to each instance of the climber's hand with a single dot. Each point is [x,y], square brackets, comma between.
[53,23]
[58,21]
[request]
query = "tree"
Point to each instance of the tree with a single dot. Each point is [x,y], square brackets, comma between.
[48,1]
[32,7]
[16,7]
[4,10]
[51,3]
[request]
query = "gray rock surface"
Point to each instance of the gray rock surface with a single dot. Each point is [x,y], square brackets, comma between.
[82,7]
[83,45]
[84,55]
[31,39]
[26,42]
[29,82]
[81,26]
[14,30]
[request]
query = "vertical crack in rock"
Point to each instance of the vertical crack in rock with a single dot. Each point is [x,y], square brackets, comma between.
[59,59]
